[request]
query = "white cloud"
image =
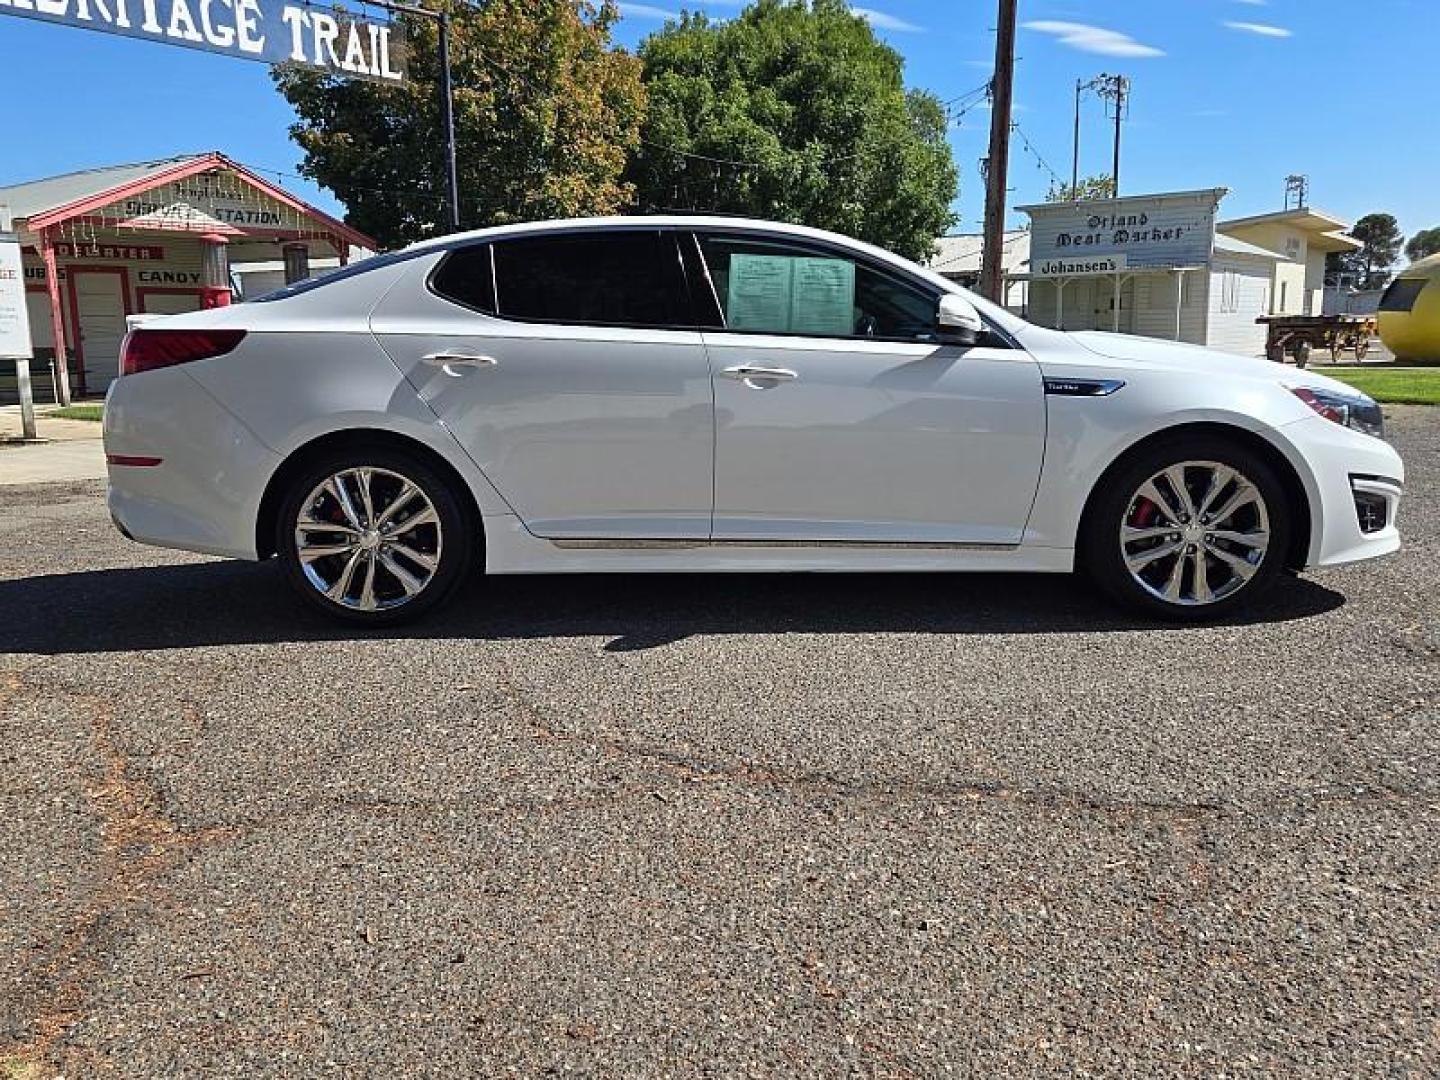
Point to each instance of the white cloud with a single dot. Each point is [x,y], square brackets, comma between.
[1263,29]
[1093,39]
[646,11]
[881,21]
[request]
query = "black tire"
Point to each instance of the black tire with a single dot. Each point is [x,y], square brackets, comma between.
[449,544]
[1118,501]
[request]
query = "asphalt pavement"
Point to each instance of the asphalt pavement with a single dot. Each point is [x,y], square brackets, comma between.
[713,826]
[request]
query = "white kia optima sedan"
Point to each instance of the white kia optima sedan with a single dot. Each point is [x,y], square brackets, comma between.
[709,394]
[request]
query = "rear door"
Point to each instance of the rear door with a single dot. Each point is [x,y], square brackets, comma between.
[839,415]
[569,367]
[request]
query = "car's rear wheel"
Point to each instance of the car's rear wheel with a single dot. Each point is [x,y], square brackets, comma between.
[1188,529]
[373,537]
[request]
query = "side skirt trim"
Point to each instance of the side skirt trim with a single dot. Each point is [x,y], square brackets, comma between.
[692,545]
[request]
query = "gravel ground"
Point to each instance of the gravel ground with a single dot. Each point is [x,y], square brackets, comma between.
[713,826]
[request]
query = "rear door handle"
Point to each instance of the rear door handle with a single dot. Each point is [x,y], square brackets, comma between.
[755,377]
[449,361]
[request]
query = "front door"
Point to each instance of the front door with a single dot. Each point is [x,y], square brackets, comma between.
[840,417]
[569,368]
[101,304]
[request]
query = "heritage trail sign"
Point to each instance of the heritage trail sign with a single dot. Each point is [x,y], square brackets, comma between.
[331,39]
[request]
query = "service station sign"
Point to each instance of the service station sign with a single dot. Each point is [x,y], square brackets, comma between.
[1115,235]
[331,39]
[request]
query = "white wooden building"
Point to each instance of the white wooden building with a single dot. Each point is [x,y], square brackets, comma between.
[957,257]
[154,236]
[1158,266]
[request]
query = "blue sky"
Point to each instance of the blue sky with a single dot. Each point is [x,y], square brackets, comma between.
[1227,93]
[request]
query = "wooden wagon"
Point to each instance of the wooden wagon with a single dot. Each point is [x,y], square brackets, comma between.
[1296,335]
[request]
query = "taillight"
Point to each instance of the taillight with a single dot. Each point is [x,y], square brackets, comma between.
[146,350]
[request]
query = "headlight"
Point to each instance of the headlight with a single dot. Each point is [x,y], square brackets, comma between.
[1352,410]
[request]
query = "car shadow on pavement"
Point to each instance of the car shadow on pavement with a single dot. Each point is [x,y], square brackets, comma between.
[227,603]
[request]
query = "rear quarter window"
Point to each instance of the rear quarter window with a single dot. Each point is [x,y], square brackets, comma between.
[467,277]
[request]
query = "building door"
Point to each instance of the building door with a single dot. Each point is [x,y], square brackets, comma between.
[100,296]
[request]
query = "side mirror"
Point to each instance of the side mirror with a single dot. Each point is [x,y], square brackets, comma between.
[957,320]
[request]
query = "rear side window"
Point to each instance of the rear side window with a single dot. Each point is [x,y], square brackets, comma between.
[468,278]
[630,278]
[1402,294]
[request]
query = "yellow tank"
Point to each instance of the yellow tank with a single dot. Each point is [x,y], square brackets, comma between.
[1410,312]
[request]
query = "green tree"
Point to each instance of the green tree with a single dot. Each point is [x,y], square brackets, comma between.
[1369,267]
[1423,243]
[545,114]
[1089,187]
[794,111]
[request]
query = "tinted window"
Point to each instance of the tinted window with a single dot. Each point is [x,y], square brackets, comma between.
[466,278]
[779,287]
[600,279]
[1402,294]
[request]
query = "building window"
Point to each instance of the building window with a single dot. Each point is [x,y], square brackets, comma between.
[1229,292]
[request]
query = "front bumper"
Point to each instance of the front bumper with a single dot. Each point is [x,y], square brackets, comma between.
[1354,490]
[204,495]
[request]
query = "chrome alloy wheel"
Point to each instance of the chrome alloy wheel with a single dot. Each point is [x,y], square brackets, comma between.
[1195,533]
[368,539]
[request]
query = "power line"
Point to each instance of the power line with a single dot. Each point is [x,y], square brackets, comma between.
[1015,127]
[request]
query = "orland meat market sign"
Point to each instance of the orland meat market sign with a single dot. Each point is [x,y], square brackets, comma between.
[1133,233]
[272,31]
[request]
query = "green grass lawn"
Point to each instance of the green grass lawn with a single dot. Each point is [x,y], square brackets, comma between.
[1392,385]
[77,412]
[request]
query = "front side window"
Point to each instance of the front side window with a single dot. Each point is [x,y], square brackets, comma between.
[1402,294]
[630,278]
[780,287]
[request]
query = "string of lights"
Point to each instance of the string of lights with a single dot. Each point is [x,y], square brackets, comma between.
[1039,160]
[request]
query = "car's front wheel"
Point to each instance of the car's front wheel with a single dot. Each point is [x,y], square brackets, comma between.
[1188,529]
[373,537]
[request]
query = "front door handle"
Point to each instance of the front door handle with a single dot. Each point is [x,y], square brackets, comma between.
[759,378]
[449,361]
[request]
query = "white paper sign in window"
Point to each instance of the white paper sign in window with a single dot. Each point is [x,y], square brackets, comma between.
[823,299]
[785,294]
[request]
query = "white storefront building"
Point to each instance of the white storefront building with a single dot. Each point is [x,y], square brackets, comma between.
[1160,266]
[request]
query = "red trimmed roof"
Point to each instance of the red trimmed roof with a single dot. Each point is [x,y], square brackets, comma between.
[179,169]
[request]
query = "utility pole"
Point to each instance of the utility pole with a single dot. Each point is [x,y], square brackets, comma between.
[1075,153]
[447,122]
[1001,96]
[1115,89]
[446,93]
